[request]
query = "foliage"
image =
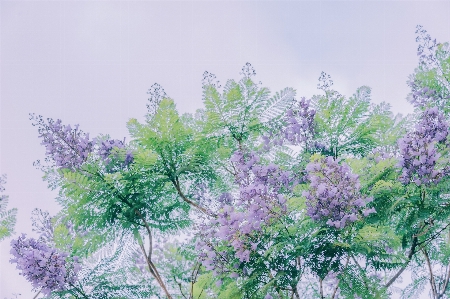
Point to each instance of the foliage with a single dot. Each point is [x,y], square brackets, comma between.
[257,195]
[7,217]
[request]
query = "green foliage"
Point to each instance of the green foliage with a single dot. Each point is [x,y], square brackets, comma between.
[7,218]
[133,224]
[351,126]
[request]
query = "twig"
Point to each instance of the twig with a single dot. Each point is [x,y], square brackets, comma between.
[434,235]
[432,281]
[153,270]
[321,288]
[35,296]
[411,253]
[179,285]
[176,184]
[337,285]
[362,272]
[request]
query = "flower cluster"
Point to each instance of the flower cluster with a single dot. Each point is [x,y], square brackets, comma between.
[238,223]
[67,147]
[431,55]
[426,51]
[418,149]
[106,148]
[422,96]
[298,126]
[45,267]
[334,193]
[300,123]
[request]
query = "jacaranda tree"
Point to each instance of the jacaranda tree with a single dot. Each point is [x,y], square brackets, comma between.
[256,195]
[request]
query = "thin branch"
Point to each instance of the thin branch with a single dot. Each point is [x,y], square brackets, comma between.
[321,288]
[194,278]
[179,285]
[434,235]
[447,277]
[432,281]
[412,251]
[444,288]
[153,270]
[176,184]
[35,296]
[147,227]
[79,290]
[362,273]
[337,285]
[277,288]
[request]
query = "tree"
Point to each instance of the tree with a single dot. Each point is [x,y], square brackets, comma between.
[253,196]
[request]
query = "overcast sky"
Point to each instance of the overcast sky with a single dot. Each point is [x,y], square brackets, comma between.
[92,63]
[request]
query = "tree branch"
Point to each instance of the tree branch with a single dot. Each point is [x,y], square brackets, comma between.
[337,285]
[321,288]
[432,281]
[153,270]
[176,183]
[412,251]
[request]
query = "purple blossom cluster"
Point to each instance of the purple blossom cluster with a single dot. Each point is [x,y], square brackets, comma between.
[418,151]
[334,193]
[431,54]
[241,219]
[426,51]
[300,123]
[68,147]
[423,96]
[45,267]
[299,126]
[106,147]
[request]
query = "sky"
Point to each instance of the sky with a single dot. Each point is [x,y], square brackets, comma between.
[92,62]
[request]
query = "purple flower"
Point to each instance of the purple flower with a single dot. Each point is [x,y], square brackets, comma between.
[45,267]
[67,147]
[299,126]
[242,218]
[418,149]
[367,212]
[106,148]
[333,194]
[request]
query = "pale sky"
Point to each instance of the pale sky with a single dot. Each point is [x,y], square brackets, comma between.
[92,62]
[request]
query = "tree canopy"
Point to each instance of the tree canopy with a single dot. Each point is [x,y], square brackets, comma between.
[256,195]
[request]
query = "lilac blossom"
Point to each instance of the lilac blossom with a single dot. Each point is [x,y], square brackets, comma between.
[431,54]
[106,148]
[260,200]
[68,147]
[418,151]
[423,96]
[298,129]
[300,123]
[334,193]
[45,267]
